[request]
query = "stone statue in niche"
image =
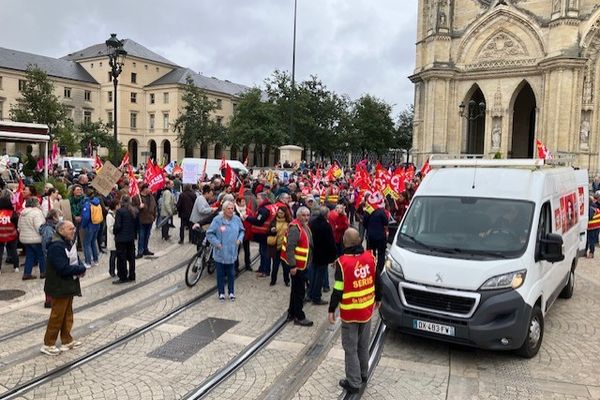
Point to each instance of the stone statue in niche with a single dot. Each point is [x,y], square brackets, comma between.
[587,84]
[443,20]
[556,6]
[572,5]
[584,132]
[496,135]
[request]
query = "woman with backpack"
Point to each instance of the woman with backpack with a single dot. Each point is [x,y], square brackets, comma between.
[91,220]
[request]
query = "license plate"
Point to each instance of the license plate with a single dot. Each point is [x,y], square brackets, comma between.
[434,328]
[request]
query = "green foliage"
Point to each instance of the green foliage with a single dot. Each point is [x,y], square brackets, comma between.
[38,103]
[58,185]
[255,121]
[194,126]
[404,132]
[99,135]
[372,128]
[67,136]
[498,155]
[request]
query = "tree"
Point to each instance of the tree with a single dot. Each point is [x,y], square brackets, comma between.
[67,136]
[97,134]
[255,121]
[194,126]
[38,103]
[404,131]
[371,126]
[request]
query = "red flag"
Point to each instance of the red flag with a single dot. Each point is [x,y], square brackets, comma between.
[425,168]
[241,191]
[125,160]
[542,150]
[17,198]
[40,165]
[54,155]
[230,175]
[134,189]
[98,164]
[398,181]
[154,177]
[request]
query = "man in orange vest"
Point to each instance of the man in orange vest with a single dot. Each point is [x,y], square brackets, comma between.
[593,225]
[357,293]
[296,254]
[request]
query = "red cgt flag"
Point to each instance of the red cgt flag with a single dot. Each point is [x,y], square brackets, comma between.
[154,177]
[134,189]
[542,150]
[124,161]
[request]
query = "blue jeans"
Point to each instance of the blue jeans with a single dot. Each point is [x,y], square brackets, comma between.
[316,281]
[90,243]
[144,238]
[265,260]
[34,255]
[222,271]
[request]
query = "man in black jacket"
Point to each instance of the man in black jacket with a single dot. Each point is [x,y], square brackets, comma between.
[185,204]
[324,253]
[63,270]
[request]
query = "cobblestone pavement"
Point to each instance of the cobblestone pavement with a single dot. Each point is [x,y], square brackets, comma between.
[567,366]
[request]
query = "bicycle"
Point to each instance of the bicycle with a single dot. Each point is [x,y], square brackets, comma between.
[200,261]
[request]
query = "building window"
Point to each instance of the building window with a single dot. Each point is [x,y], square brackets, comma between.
[152,100]
[109,76]
[87,117]
[219,104]
[110,99]
[0,83]
[133,97]
[92,65]
[133,65]
[157,69]
[67,93]
[100,64]
[22,83]
[87,95]
[234,106]
[133,77]
[220,121]
[109,117]
[1,107]
[151,122]
[166,120]
[166,97]
[145,66]
[133,120]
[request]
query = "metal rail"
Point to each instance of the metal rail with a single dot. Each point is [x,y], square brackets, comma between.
[19,332]
[72,365]
[222,374]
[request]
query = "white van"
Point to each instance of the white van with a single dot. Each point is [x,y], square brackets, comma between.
[77,163]
[483,251]
[193,168]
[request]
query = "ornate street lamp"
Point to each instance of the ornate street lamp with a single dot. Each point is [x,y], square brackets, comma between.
[116,59]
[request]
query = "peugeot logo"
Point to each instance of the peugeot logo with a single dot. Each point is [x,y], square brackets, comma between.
[438,278]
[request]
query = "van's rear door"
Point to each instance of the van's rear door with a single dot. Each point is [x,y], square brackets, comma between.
[581,177]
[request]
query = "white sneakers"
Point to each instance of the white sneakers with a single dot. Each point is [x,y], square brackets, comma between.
[54,351]
[87,266]
[50,350]
[222,297]
[231,297]
[70,346]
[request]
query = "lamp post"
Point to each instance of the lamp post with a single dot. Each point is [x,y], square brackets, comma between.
[474,112]
[116,59]
[293,98]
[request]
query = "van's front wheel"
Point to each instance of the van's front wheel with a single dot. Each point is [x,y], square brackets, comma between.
[567,291]
[535,334]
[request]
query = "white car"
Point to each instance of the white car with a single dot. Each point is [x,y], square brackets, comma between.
[484,250]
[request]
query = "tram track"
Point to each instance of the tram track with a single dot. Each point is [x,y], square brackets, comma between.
[31,327]
[72,365]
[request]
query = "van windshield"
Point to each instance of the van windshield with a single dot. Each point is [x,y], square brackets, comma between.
[81,164]
[467,227]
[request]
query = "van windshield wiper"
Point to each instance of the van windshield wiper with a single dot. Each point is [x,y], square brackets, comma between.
[414,240]
[491,253]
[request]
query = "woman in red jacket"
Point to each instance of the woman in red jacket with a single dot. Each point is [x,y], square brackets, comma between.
[8,230]
[339,222]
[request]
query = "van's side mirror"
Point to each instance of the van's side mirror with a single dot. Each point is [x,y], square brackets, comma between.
[551,248]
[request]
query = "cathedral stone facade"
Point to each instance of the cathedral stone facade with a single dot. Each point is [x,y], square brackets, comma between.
[521,69]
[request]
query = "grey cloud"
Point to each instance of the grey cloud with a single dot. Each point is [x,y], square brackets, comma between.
[354,46]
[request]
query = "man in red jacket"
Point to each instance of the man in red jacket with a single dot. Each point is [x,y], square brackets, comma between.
[339,222]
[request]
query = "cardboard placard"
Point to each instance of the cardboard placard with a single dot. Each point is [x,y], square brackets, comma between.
[106,178]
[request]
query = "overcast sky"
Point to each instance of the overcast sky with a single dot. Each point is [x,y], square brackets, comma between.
[353,46]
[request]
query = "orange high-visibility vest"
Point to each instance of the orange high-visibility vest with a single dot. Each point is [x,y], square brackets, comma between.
[333,196]
[301,250]
[594,223]
[358,298]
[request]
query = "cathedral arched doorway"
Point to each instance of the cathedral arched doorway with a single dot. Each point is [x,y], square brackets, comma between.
[475,116]
[523,126]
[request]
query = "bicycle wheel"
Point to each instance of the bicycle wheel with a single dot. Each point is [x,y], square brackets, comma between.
[208,260]
[194,270]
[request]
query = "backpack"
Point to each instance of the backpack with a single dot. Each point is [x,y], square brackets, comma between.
[96,215]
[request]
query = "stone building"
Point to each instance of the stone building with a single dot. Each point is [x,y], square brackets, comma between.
[150,90]
[533,64]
